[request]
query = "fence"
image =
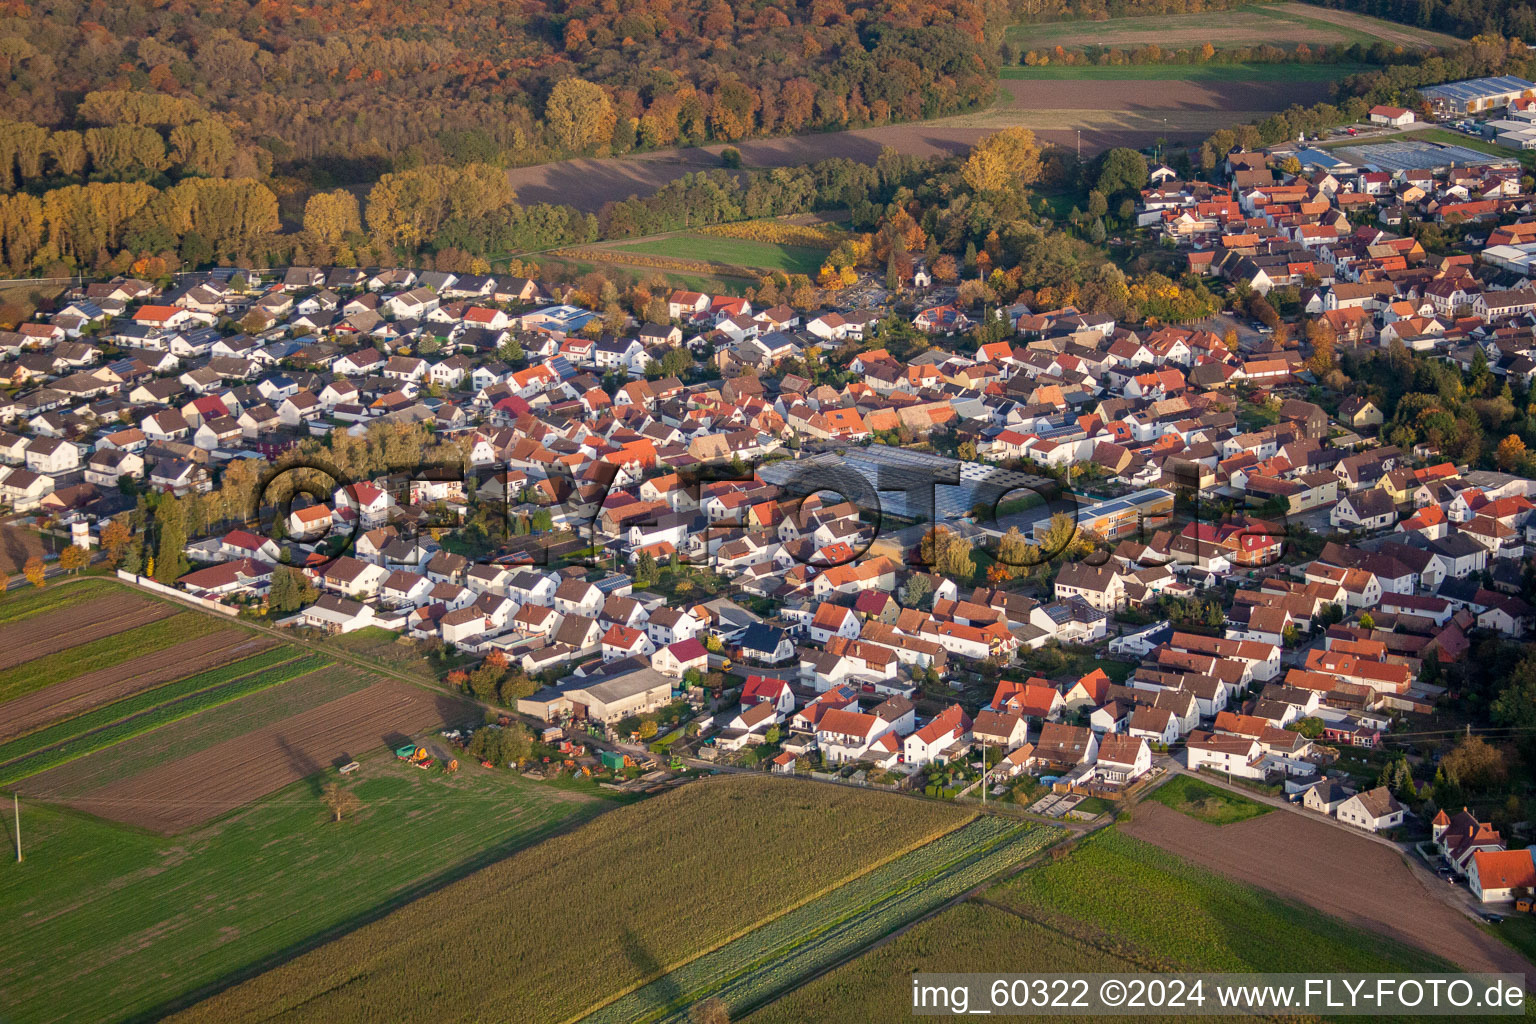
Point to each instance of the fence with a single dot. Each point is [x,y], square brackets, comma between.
[180,595]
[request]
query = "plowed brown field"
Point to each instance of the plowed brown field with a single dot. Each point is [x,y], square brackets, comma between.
[40,635]
[94,689]
[199,788]
[1351,877]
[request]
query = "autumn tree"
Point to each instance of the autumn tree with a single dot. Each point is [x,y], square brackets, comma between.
[340,802]
[114,540]
[74,558]
[34,570]
[203,147]
[1475,764]
[1511,453]
[579,115]
[1321,335]
[1003,161]
[332,216]
[67,150]
[126,151]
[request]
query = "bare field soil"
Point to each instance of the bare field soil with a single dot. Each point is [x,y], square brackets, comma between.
[212,782]
[1351,877]
[181,739]
[40,635]
[1106,113]
[16,546]
[1282,25]
[1126,95]
[95,689]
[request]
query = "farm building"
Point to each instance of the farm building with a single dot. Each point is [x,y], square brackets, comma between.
[1394,116]
[1476,95]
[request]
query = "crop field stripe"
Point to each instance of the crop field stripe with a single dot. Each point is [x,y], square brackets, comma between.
[1284,72]
[30,676]
[884,895]
[141,702]
[804,961]
[14,609]
[155,718]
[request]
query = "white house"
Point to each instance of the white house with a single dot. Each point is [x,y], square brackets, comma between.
[946,736]
[1373,810]
[1494,875]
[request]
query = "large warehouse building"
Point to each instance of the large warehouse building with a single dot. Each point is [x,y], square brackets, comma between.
[1476,95]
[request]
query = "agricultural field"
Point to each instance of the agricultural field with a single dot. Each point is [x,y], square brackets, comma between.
[1305,859]
[733,253]
[1206,802]
[788,950]
[188,736]
[1235,72]
[1285,25]
[111,924]
[1144,910]
[639,892]
[121,619]
[89,690]
[237,771]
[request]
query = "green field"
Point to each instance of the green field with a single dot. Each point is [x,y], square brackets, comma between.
[556,930]
[788,950]
[737,252]
[1182,72]
[710,285]
[1113,904]
[1284,25]
[108,923]
[1207,802]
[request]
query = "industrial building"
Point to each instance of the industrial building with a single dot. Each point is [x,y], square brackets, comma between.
[1476,95]
[1118,517]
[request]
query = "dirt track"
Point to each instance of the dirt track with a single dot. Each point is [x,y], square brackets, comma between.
[199,788]
[94,689]
[1350,877]
[39,635]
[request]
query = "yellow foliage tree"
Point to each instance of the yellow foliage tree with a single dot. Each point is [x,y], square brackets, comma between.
[579,115]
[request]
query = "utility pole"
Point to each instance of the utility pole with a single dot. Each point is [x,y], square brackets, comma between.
[16,803]
[1079,144]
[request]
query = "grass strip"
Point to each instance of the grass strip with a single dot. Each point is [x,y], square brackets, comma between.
[155,718]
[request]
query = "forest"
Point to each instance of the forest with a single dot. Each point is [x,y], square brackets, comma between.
[1466,18]
[340,92]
